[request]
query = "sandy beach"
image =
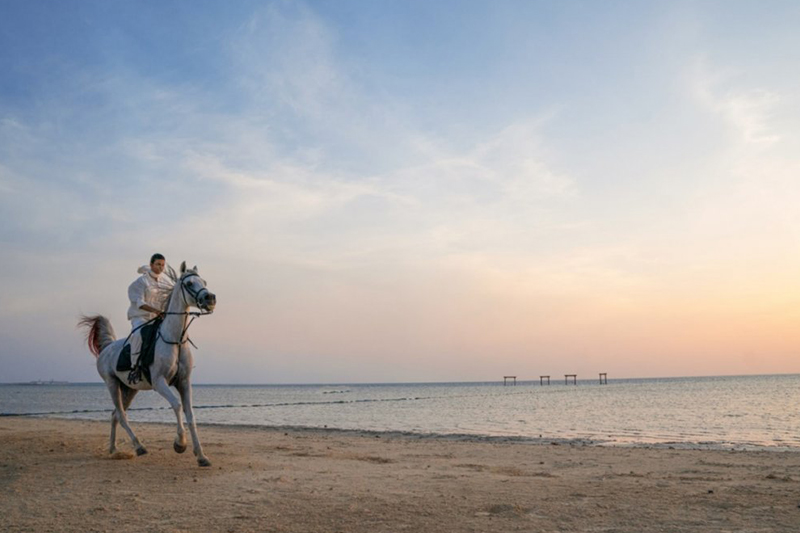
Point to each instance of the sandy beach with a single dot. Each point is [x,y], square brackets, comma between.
[55,475]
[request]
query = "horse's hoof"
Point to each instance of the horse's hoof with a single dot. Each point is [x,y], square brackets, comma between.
[179,448]
[141,451]
[203,462]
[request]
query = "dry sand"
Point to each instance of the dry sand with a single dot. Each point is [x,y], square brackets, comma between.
[55,475]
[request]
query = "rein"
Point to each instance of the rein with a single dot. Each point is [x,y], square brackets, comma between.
[194,314]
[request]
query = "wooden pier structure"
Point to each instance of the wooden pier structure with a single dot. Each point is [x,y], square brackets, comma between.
[569,379]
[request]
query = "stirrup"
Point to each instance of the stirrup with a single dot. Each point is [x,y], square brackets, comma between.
[135,375]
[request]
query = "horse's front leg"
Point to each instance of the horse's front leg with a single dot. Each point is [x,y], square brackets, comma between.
[185,388]
[162,387]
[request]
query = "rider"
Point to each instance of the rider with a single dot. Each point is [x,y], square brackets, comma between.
[148,293]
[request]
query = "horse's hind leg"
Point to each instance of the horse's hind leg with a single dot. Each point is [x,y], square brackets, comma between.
[127,398]
[115,388]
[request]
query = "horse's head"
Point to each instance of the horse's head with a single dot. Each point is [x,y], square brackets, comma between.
[194,289]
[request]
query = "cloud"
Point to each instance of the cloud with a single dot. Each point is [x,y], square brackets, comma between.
[287,53]
[747,111]
[482,199]
[740,208]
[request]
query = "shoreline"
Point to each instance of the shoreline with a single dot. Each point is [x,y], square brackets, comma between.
[454,437]
[56,474]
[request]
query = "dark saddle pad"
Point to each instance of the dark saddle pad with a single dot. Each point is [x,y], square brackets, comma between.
[149,335]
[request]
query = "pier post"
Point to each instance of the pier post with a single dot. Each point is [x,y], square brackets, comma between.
[506,378]
[541,380]
[603,378]
[574,379]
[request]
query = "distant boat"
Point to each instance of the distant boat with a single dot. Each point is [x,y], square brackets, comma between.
[42,382]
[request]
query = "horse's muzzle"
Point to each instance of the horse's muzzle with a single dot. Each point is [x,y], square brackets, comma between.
[208,301]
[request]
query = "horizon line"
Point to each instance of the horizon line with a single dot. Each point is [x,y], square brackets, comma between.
[361,383]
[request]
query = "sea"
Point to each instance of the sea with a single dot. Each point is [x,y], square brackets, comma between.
[730,412]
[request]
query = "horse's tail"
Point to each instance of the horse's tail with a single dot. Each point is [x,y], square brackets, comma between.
[99,332]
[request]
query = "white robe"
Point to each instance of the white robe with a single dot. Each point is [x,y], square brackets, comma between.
[145,290]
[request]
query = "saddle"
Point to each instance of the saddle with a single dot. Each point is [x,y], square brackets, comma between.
[140,370]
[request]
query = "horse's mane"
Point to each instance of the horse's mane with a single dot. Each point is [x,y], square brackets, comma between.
[165,293]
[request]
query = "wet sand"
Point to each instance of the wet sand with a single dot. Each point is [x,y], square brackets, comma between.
[56,475]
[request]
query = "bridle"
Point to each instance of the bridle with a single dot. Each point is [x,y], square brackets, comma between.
[194,294]
[194,314]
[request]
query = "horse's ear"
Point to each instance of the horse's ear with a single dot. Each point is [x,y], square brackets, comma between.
[183,267]
[195,268]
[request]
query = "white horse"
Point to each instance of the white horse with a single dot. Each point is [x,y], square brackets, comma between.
[172,364]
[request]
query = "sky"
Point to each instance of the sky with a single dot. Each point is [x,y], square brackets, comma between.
[405,191]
